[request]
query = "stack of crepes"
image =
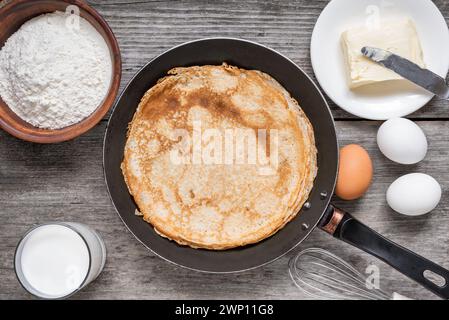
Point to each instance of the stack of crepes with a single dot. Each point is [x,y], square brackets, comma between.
[227,203]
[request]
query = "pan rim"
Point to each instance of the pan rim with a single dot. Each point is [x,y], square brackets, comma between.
[326,201]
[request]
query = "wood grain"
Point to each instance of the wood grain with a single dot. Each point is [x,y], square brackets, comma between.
[145,29]
[64,182]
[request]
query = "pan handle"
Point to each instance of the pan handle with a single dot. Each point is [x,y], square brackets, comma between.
[343,226]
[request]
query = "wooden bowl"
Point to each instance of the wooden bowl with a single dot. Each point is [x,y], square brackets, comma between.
[12,16]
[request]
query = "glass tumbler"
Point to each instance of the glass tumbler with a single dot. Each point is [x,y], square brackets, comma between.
[57,259]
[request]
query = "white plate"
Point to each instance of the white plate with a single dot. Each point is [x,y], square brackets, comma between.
[386,100]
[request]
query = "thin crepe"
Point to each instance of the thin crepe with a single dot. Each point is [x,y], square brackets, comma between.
[218,205]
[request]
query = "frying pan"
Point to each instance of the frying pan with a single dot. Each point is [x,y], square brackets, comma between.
[317,213]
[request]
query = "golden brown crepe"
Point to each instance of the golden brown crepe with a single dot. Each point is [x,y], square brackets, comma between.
[208,192]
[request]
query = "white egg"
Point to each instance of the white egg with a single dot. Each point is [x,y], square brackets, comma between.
[402,141]
[414,194]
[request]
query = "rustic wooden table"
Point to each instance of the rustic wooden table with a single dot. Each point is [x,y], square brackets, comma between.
[64,182]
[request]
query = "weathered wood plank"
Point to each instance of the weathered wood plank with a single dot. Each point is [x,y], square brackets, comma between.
[145,29]
[64,182]
[41,183]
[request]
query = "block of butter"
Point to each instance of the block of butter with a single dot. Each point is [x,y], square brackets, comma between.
[398,36]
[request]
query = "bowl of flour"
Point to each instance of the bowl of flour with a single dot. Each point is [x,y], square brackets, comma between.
[60,69]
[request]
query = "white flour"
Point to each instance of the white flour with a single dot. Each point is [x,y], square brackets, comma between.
[52,75]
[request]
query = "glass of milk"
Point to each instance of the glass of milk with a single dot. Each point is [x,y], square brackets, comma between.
[56,260]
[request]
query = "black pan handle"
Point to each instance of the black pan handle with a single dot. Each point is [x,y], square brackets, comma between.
[343,226]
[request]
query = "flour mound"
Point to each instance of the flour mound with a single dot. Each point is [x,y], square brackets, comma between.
[52,74]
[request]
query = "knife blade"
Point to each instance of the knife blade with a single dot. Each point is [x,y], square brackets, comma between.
[409,70]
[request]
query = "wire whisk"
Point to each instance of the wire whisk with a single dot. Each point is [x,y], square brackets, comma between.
[322,275]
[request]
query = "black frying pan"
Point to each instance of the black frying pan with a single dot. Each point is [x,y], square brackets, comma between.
[250,55]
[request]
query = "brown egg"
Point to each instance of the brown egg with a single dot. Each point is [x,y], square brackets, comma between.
[355,172]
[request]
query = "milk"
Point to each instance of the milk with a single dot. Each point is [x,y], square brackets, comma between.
[54,260]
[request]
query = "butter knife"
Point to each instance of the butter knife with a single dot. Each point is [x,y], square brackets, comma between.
[409,70]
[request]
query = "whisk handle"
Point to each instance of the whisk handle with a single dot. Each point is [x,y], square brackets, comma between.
[344,227]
